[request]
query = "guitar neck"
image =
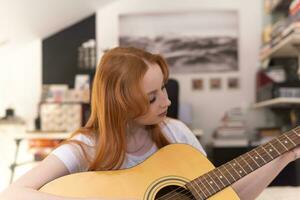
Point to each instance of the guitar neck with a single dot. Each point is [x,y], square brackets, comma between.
[228,173]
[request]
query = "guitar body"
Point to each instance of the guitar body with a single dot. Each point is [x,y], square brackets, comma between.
[170,167]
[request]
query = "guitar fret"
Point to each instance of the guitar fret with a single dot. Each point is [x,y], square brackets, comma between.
[213,181]
[275,148]
[298,134]
[214,173]
[290,140]
[222,175]
[195,191]
[203,191]
[259,156]
[224,166]
[207,182]
[267,151]
[297,129]
[235,169]
[201,182]
[281,144]
[241,167]
[202,187]
[253,159]
[247,163]
[210,183]
[244,165]
[271,150]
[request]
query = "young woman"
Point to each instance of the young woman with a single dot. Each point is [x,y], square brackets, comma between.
[128,123]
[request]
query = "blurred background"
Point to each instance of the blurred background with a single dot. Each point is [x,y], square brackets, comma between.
[233,72]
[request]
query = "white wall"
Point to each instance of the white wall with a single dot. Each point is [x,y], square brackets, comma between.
[20,88]
[208,106]
[20,67]
[21,79]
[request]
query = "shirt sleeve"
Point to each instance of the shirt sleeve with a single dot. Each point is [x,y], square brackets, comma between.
[182,134]
[71,154]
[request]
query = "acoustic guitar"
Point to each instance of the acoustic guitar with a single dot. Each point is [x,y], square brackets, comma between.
[176,171]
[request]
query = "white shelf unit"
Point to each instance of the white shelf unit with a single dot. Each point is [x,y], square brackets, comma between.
[287,47]
[278,102]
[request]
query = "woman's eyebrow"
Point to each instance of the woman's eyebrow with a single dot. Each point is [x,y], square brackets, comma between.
[153,91]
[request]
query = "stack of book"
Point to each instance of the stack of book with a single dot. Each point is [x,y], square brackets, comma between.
[232,129]
[288,25]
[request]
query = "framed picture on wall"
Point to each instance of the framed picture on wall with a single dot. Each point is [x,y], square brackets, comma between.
[215,83]
[197,84]
[233,83]
[191,42]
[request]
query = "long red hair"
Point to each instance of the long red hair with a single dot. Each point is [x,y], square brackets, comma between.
[117,99]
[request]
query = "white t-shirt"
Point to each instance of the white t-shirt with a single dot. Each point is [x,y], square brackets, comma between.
[72,155]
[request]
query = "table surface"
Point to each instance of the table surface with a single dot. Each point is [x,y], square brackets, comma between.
[40,135]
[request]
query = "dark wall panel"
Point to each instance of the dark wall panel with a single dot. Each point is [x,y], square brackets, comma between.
[59,52]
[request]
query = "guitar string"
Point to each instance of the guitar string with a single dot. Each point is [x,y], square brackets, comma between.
[181,190]
[185,192]
[264,152]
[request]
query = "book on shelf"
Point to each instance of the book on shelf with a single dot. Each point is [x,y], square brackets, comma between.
[233,120]
[230,132]
[232,125]
[229,142]
[290,26]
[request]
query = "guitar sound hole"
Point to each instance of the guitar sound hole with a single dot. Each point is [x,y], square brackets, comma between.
[174,192]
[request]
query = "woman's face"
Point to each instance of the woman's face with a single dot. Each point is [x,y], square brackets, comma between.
[154,86]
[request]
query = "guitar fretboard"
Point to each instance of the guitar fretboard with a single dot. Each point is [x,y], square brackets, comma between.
[228,173]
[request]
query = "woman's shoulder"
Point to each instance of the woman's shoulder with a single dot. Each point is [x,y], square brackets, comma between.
[178,132]
[73,155]
[88,139]
[175,129]
[173,123]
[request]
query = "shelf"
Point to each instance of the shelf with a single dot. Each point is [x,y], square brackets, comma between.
[285,48]
[223,143]
[278,102]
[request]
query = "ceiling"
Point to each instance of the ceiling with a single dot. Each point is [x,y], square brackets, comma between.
[24,20]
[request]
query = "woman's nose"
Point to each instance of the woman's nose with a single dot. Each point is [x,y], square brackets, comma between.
[165,101]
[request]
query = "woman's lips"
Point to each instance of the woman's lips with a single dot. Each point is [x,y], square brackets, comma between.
[163,114]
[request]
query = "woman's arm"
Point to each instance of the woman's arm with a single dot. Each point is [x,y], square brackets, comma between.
[26,187]
[250,186]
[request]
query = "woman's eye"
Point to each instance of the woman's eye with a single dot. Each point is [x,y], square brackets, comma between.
[152,100]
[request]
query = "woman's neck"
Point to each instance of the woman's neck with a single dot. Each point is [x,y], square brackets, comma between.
[138,138]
